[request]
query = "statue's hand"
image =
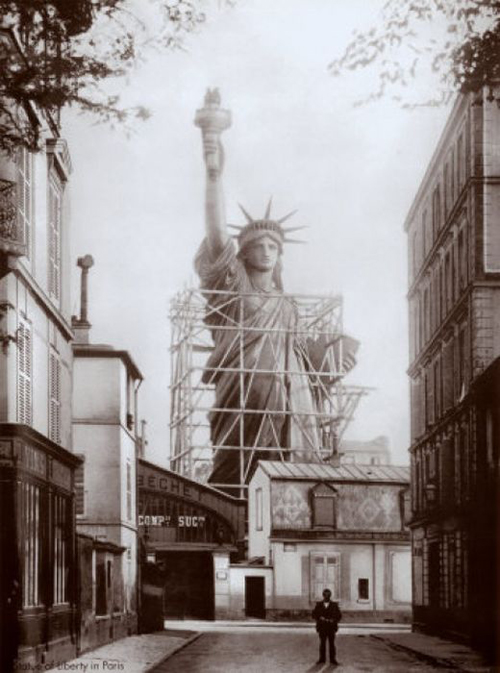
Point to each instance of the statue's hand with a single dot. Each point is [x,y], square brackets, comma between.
[213,155]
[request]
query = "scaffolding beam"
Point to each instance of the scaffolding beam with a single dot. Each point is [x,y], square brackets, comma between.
[317,328]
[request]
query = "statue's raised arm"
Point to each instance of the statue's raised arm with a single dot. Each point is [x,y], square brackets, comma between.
[213,120]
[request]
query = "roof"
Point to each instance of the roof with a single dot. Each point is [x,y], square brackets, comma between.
[276,469]
[105,351]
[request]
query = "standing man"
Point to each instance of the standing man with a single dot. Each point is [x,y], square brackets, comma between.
[327,615]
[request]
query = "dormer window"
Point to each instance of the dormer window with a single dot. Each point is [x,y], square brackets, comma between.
[323,505]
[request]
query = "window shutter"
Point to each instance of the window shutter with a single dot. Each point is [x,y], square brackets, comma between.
[55,398]
[325,574]
[24,366]
[317,577]
[80,489]
[25,196]
[54,239]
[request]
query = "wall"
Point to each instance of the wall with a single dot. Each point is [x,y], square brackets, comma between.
[293,595]
[100,444]
[371,507]
[237,574]
[97,391]
[258,540]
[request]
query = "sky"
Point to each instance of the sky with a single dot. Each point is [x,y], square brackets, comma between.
[350,171]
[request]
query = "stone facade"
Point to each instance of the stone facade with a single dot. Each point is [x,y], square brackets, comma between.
[454,307]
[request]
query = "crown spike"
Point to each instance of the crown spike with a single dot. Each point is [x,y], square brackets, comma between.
[288,229]
[267,216]
[249,217]
[236,226]
[293,240]
[283,219]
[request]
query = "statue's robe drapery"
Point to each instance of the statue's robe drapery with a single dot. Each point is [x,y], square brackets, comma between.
[263,395]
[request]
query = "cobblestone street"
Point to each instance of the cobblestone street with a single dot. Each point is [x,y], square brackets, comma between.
[255,651]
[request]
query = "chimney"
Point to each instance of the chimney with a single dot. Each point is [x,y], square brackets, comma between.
[81,325]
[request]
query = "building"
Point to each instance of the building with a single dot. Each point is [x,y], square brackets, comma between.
[37,537]
[105,391]
[189,534]
[373,452]
[313,526]
[454,307]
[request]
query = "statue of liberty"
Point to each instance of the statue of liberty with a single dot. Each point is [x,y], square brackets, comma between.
[263,367]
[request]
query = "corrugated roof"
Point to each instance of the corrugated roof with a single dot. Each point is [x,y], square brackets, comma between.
[276,469]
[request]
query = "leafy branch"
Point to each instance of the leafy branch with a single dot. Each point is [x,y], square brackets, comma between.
[458,40]
[57,53]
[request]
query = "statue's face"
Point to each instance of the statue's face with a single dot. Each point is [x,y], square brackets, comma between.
[262,254]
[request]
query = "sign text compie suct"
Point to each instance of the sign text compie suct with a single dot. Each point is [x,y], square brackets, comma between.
[181,521]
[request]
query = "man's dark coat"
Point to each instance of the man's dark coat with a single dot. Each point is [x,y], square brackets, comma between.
[327,618]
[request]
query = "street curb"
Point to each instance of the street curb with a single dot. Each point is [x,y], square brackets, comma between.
[427,658]
[176,649]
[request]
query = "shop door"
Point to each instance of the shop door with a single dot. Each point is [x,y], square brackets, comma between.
[255,597]
[188,585]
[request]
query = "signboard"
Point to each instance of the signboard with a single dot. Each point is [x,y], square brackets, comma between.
[181,521]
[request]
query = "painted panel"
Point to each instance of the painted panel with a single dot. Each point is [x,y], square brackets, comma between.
[370,507]
[290,505]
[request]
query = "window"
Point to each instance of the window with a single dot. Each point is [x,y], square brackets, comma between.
[54,236]
[447,195]
[61,549]
[54,397]
[25,197]
[447,375]
[325,574]
[24,366]
[448,281]
[323,505]
[101,585]
[437,387]
[425,240]
[80,489]
[258,509]
[129,490]
[436,212]
[363,589]
[32,542]
[462,258]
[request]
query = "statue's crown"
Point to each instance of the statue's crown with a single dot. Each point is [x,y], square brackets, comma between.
[255,229]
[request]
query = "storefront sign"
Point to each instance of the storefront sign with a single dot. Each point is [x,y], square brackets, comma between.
[181,521]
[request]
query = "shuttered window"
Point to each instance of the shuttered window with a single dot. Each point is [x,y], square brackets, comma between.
[61,549]
[325,574]
[54,236]
[24,372]
[129,491]
[323,499]
[54,397]
[80,488]
[25,197]
[30,505]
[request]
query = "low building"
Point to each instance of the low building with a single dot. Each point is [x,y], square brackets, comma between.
[189,534]
[373,452]
[313,526]
[105,401]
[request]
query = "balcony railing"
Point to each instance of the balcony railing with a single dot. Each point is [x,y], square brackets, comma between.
[11,234]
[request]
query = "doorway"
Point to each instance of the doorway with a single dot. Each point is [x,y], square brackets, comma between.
[255,597]
[188,585]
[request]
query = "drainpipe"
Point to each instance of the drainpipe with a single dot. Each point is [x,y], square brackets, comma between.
[374,575]
[138,578]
